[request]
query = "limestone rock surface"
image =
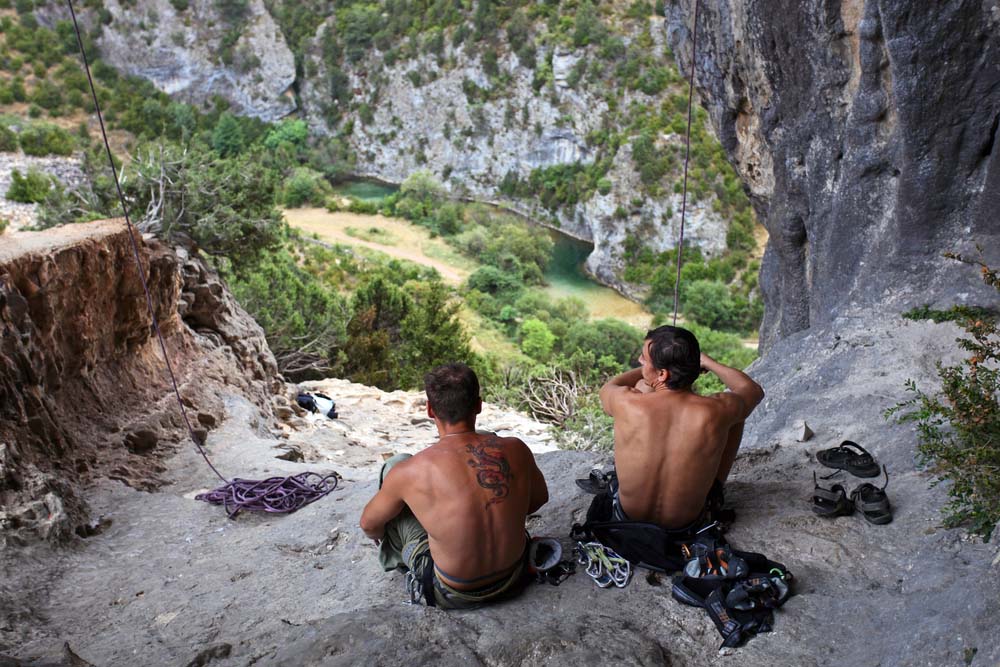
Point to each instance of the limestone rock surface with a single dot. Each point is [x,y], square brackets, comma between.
[182,52]
[83,389]
[867,135]
[172,581]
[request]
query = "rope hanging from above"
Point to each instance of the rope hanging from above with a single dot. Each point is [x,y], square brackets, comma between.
[687,158]
[277,494]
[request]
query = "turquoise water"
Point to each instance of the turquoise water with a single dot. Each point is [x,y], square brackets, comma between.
[566,278]
[365,190]
[566,266]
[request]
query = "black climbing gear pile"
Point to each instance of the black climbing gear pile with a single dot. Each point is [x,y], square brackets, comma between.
[277,494]
[738,589]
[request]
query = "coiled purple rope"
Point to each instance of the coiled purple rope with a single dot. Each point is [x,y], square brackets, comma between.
[276,494]
[279,495]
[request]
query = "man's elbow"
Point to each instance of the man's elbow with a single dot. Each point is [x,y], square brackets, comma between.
[537,502]
[370,528]
[757,397]
[605,397]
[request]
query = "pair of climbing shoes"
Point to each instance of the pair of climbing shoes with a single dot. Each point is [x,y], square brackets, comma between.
[738,589]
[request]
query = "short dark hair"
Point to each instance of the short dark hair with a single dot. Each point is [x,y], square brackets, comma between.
[452,392]
[675,350]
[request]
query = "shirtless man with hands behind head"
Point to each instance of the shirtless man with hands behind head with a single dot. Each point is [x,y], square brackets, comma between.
[673,446]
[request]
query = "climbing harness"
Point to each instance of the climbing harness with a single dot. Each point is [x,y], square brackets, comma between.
[603,565]
[687,158]
[282,495]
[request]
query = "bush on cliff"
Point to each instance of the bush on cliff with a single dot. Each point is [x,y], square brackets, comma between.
[401,326]
[959,427]
[225,206]
[30,188]
[305,187]
[8,140]
[42,139]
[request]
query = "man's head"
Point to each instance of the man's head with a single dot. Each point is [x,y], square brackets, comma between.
[453,393]
[672,356]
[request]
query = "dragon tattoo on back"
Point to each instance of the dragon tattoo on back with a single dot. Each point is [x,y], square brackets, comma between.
[492,469]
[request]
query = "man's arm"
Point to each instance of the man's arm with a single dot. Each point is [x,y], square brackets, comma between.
[539,489]
[618,386]
[748,393]
[386,504]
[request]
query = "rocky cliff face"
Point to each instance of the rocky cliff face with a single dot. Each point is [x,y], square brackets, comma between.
[192,54]
[422,118]
[83,389]
[867,132]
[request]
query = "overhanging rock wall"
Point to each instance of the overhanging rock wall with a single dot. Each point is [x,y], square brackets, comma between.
[867,134]
[83,387]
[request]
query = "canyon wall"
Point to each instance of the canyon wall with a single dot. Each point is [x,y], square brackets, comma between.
[866,132]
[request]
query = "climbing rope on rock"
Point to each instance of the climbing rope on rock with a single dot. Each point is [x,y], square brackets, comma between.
[687,159]
[277,494]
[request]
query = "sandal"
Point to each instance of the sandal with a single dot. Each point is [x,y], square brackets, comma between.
[872,502]
[831,502]
[849,456]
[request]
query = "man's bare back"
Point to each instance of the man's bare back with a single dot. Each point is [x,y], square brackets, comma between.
[471,492]
[671,445]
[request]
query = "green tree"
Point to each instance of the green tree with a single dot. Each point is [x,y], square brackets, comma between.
[305,187]
[292,133]
[493,281]
[225,206]
[227,137]
[8,140]
[432,333]
[304,321]
[358,25]
[378,308]
[537,340]
[530,248]
[42,139]
[605,338]
[587,26]
[233,11]
[419,196]
[710,303]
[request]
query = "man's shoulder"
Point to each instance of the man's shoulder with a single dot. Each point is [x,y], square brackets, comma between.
[725,401]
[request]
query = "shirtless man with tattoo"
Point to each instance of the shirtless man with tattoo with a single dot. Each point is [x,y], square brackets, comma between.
[453,515]
[672,446]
